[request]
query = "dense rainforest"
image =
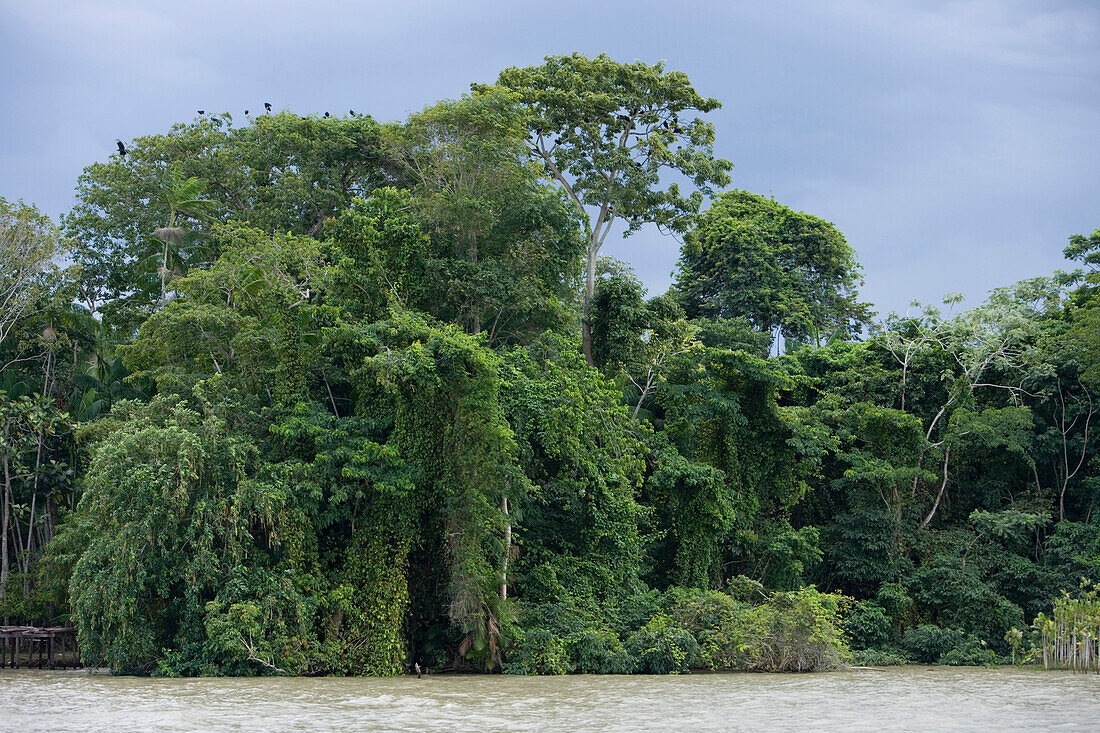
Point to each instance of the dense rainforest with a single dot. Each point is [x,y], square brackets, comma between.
[325,395]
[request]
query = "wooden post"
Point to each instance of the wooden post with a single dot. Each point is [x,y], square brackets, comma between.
[51,649]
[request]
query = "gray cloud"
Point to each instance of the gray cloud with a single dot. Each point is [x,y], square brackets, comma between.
[953,142]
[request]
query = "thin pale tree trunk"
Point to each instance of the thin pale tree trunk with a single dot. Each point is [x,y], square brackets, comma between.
[4,524]
[507,549]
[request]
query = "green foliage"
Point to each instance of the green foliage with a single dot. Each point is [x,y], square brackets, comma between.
[450,424]
[31,478]
[537,651]
[170,510]
[279,173]
[1070,636]
[721,410]
[619,317]
[504,247]
[928,644]
[29,248]
[378,255]
[662,647]
[364,631]
[1073,552]
[877,658]
[581,452]
[695,507]
[1086,250]
[803,632]
[605,132]
[868,626]
[754,258]
[599,651]
[311,401]
[591,117]
[794,631]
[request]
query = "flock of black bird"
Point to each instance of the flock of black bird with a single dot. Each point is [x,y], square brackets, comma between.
[267,108]
[671,123]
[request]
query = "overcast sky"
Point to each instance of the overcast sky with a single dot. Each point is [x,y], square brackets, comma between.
[956,144]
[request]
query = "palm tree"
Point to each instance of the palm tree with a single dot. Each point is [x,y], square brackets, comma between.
[101,385]
[102,379]
[183,196]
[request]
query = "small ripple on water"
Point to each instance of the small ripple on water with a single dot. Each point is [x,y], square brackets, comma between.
[908,698]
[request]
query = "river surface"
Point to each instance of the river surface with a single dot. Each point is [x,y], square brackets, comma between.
[898,698]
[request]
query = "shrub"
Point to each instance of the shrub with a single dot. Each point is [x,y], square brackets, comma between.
[634,611]
[794,631]
[973,652]
[662,647]
[720,624]
[868,626]
[598,651]
[961,599]
[746,589]
[802,632]
[928,644]
[895,600]
[536,651]
[877,658]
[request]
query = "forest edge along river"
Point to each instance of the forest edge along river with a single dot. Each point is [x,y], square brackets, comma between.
[895,698]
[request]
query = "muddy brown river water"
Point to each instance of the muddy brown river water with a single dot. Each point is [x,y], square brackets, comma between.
[899,698]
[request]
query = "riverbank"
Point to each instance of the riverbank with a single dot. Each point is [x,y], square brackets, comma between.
[896,698]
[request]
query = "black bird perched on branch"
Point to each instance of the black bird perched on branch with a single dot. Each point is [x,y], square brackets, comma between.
[121,148]
[202,111]
[267,106]
[326,115]
[246,113]
[351,112]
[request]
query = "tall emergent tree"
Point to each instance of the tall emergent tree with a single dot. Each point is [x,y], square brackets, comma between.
[752,257]
[605,131]
[28,245]
[505,245]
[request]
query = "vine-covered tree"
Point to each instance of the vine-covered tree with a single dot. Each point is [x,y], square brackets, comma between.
[352,431]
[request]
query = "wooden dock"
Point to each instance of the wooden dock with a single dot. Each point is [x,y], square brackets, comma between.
[52,647]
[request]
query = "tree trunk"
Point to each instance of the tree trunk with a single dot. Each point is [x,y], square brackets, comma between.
[4,526]
[943,488]
[507,549]
[589,293]
[475,316]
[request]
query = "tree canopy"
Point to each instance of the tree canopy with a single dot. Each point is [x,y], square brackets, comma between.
[606,132]
[782,270]
[313,395]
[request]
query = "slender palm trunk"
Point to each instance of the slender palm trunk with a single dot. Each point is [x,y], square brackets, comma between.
[507,549]
[4,524]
